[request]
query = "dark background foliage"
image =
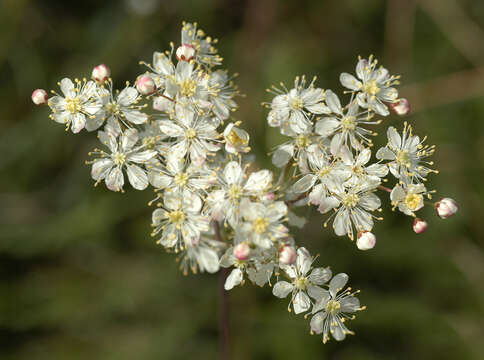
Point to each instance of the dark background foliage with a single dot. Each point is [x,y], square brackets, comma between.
[82,279]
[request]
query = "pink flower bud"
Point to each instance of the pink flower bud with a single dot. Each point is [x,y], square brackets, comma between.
[241,251]
[419,226]
[186,52]
[101,73]
[268,196]
[446,207]
[366,240]
[40,97]
[287,255]
[145,85]
[401,107]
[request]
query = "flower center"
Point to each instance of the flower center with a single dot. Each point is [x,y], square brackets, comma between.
[333,306]
[235,192]
[325,170]
[190,133]
[348,123]
[370,87]
[403,158]
[413,201]
[358,170]
[296,103]
[181,179]
[73,105]
[119,159]
[235,139]
[176,217]
[260,225]
[303,141]
[149,142]
[301,283]
[113,108]
[351,200]
[188,87]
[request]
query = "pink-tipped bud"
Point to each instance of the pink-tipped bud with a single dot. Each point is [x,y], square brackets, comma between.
[145,85]
[446,207]
[186,52]
[40,97]
[287,255]
[419,226]
[241,251]
[366,240]
[268,196]
[401,107]
[101,73]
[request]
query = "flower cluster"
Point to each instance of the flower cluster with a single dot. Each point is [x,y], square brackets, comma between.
[172,131]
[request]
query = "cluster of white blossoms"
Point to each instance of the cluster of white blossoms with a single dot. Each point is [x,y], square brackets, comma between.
[172,131]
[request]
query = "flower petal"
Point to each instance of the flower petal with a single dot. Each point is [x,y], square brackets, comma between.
[234,279]
[281,289]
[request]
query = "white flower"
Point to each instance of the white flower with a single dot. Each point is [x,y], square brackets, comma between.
[161,69]
[406,154]
[236,140]
[188,85]
[200,255]
[78,104]
[179,220]
[333,309]
[193,134]
[205,52]
[408,198]
[374,87]
[221,91]
[357,169]
[262,223]
[354,206]
[123,107]
[323,176]
[297,148]
[304,282]
[178,174]
[290,108]
[152,137]
[125,155]
[345,126]
[234,186]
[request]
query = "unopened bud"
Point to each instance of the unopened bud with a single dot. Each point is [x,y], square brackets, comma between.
[40,97]
[366,240]
[241,251]
[419,226]
[145,85]
[401,107]
[446,207]
[101,73]
[287,255]
[270,196]
[186,52]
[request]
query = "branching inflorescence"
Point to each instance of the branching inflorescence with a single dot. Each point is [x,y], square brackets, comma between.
[213,208]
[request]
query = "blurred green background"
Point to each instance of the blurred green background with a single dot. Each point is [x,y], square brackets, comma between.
[82,279]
